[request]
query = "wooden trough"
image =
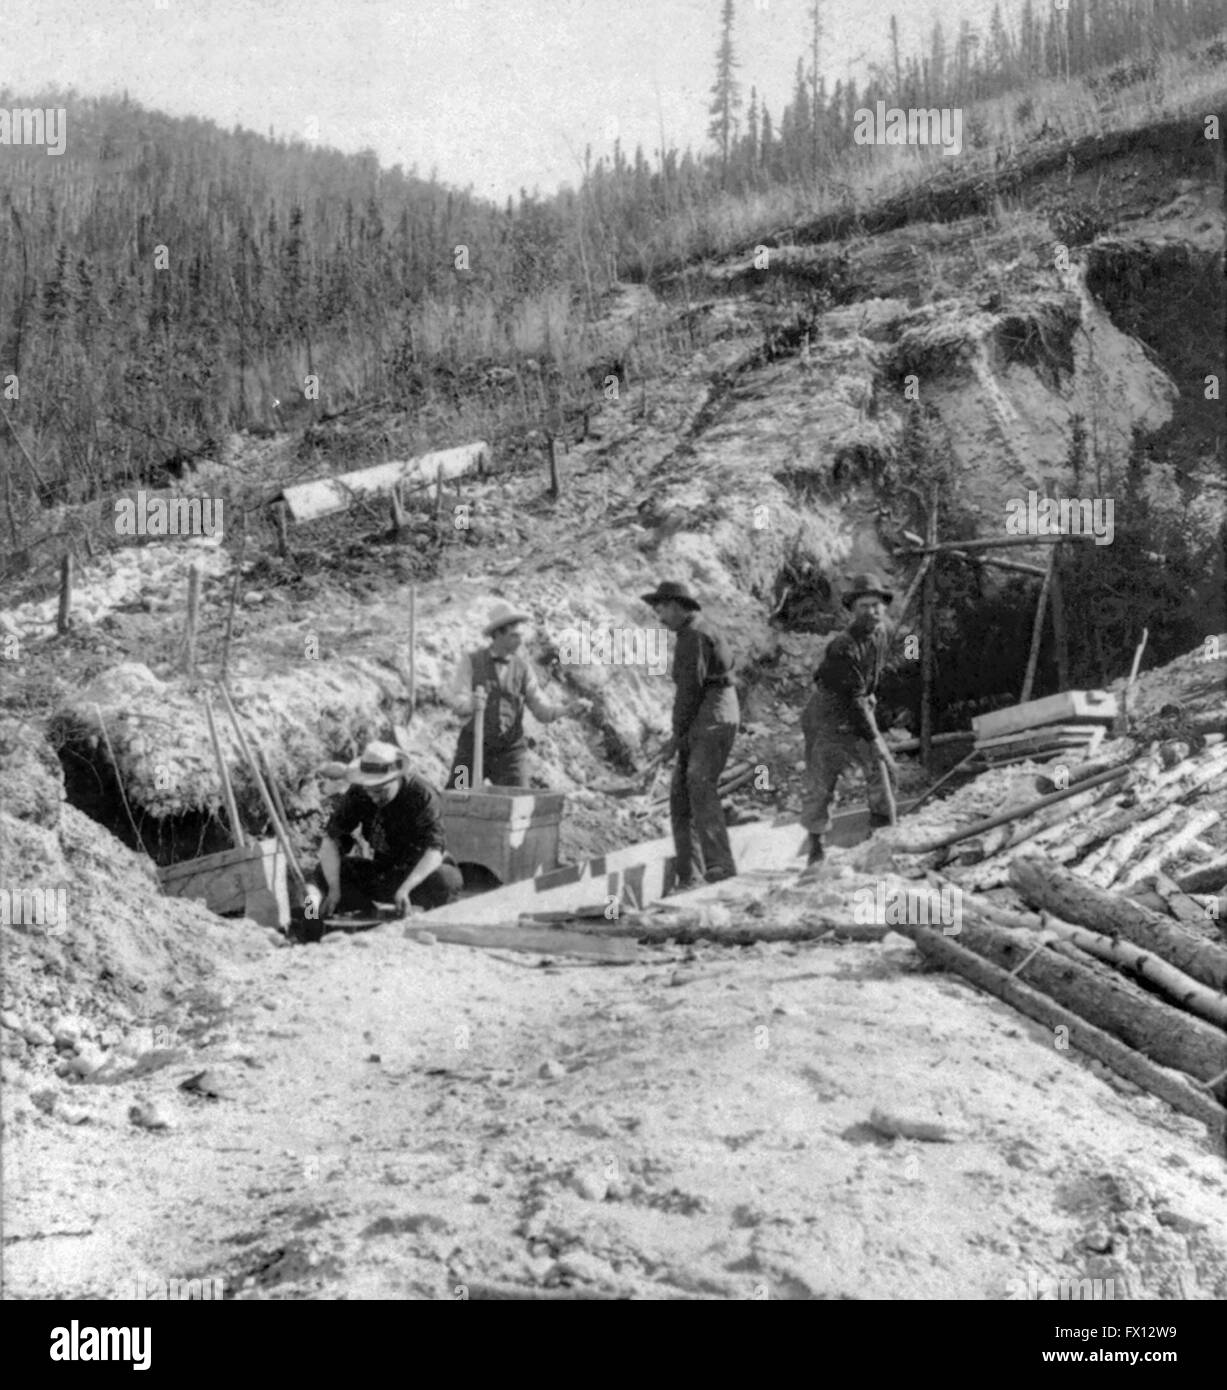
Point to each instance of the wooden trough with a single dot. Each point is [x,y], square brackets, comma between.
[248,882]
[324,496]
[510,831]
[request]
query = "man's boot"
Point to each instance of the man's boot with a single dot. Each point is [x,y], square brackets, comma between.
[877,821]
[816,851]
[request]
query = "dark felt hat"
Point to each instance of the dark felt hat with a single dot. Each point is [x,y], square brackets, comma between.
[669,589]
[861,584]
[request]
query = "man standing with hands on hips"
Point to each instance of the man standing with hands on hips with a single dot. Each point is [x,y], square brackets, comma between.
[705,720]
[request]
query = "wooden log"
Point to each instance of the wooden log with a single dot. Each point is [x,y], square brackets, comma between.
[1188,993]
[1162,894]
[1170,848]
[1101,866]
[1018,813]
[1056,890]
[63,619]
[1011,833]
[1151,794]
[1098,994]
[546,942]
[1208,879]
[324,496]
[1054,780]
[1084,1036]
[912,589]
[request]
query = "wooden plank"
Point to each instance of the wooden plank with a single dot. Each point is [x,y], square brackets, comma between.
[249,881]
[324,496]
[1067,706]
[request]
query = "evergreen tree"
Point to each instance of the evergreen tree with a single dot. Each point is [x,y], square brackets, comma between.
[725,92]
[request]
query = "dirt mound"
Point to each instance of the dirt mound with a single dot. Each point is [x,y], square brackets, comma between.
[92,951]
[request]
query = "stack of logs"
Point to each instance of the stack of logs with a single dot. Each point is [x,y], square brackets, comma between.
[1129,962]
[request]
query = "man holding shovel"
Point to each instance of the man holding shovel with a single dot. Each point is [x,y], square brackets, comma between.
[706,716]
[509,684]
[839,722]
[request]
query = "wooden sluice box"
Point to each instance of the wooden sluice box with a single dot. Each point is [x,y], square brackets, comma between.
[247,882]
[511,831]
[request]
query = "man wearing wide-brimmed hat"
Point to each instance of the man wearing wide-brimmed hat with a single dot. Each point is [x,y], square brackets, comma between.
[705,720]
[400,817]
[839,722]
[510,684]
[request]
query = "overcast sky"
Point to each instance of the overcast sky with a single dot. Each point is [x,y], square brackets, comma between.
[498,94]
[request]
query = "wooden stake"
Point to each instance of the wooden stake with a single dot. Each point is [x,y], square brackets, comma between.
[281,520]
[234,598]
[232,810]
[398,512]
[64,618]
[439,492]
[555,489]
[193,619]
[928,604]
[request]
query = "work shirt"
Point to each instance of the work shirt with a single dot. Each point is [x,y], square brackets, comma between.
[703,674]
[514,677]
[398,833]
[849,671]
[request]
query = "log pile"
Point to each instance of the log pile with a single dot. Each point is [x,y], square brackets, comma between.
[1129,958]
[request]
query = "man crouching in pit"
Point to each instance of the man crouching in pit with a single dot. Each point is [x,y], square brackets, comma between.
[401,820]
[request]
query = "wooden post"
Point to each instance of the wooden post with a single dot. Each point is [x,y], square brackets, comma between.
[439,492]
[281,519]
[398,511]
[234,598]
[64,618]
[1037,630]
[928,603]
[479,738]
[223,772]
[555,489]
[1060,632]
[193,618]
[413,648]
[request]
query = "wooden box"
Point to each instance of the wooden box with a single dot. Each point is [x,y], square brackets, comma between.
[249,882]
[511,831]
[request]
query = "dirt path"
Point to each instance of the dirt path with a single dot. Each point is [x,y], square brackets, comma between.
[399,1119]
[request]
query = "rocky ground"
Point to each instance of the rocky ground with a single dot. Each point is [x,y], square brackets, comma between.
[186,1098]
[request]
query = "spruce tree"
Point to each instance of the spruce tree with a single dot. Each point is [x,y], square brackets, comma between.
[726,94]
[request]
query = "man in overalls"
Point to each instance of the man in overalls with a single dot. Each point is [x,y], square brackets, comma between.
[839,723]
[706,716]
[510,683]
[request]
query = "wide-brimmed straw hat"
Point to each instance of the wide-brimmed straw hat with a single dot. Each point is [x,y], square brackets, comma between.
[671,589]
[861,584]
[503,615]
[380,763]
